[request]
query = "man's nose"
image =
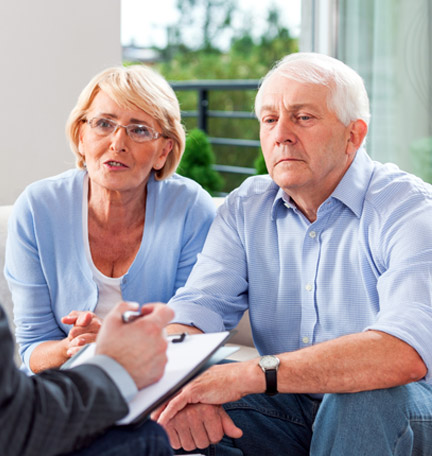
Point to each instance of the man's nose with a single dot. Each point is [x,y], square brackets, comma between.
[285,133]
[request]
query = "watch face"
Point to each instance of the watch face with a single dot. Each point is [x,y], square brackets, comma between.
[269,362]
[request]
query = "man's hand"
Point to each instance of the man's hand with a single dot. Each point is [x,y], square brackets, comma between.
[199,425]
[218,385]
[140,346]
[194,418]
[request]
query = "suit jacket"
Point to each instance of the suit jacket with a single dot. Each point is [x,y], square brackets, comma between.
[56,411]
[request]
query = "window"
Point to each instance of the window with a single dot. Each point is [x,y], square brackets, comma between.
[389,43]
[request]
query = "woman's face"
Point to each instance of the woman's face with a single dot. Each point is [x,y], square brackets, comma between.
[115,162]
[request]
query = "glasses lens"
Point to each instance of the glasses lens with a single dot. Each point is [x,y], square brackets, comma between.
[138,133]
[141,133]
[102,126]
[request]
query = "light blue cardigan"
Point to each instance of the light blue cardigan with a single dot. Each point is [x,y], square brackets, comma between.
[46,266]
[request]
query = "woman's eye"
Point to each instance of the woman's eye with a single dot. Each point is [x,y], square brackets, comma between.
[104,123]
[140,130]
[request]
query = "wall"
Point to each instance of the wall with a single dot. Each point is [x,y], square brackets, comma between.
[49,50]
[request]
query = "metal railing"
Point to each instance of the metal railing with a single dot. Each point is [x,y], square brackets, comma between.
[203,113]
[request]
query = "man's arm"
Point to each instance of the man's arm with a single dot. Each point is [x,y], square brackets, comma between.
[56,411]
[177,328]
[352,363]
[356,362]
[48,413]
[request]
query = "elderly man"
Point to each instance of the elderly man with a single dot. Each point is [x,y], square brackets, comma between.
[60,411]
[332,255]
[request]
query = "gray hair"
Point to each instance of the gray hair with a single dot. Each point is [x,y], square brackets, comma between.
[347,98]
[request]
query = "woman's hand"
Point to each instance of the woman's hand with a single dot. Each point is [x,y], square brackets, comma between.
[86,326]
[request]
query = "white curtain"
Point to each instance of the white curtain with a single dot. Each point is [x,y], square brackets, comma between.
[389,42]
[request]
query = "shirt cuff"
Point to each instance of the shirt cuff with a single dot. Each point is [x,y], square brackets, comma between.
[118,374]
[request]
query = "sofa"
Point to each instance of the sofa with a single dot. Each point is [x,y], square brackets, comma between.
[241,338]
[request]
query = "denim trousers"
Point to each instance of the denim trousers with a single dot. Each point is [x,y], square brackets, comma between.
[146,439]
[395,421]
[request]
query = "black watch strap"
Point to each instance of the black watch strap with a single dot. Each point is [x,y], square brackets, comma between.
[271,382]
[270,364]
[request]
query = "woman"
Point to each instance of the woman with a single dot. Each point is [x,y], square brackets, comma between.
[120,227]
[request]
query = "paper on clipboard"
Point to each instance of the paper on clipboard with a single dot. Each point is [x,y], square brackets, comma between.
[186,360]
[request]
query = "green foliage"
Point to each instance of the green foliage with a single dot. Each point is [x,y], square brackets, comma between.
[259,164]
[207,18]
[197,162]
[421,153]
[249,57]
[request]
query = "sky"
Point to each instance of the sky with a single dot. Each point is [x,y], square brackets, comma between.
[143,22]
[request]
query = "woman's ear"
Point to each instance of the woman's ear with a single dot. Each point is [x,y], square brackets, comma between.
[163,155]
[80,142]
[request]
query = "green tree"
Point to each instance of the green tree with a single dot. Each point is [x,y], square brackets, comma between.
[248,58]
[210,17]
[259,164]
[197,162]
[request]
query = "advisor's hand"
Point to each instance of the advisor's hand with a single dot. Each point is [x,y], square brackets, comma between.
[139,346]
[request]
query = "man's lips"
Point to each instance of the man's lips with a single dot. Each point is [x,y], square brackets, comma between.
[288,159]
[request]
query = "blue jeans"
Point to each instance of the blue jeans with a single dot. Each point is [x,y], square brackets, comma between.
[147,439]
[395,421]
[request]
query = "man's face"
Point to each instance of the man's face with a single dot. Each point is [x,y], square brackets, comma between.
[305,146]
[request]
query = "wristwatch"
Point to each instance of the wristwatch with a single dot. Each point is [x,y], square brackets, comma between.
[270,364]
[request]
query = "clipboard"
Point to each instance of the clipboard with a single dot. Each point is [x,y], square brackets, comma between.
[187,358]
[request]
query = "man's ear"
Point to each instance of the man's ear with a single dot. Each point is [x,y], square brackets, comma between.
[357,133]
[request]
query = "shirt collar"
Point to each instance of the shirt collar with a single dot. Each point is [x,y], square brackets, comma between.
[350,191]
[352,188]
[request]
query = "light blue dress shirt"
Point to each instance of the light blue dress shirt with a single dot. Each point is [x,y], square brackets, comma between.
[46,265]
[365,263]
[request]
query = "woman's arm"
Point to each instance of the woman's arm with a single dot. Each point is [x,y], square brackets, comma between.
[54,353]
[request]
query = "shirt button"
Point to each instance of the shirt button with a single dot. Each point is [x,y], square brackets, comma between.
[308,287]
[312,234]
[305,340]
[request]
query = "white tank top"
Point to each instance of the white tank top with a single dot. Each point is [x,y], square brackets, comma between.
[109,290]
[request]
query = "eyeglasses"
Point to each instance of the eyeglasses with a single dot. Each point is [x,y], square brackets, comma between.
[138,133]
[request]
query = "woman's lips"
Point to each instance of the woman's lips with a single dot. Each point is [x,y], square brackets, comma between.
[115,164]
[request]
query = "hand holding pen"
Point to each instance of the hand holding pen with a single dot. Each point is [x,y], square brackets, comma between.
[139,346]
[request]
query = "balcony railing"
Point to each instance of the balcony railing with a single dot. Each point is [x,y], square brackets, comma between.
[204,112]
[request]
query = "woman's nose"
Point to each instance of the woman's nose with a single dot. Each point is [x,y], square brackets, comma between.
[118,137]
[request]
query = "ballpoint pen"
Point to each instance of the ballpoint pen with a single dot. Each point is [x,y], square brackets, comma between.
[131,315]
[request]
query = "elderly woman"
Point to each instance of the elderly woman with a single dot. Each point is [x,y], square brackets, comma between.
[120,227]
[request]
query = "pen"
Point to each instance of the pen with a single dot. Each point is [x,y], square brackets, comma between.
[131,315]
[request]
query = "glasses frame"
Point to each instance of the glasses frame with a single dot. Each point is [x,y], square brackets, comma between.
[155,134]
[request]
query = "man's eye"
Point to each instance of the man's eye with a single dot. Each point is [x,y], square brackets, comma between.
[304,118]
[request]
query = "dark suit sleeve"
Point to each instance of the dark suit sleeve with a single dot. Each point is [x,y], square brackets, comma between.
[55,411]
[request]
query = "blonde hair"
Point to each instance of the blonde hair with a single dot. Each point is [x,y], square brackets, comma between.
[132,87]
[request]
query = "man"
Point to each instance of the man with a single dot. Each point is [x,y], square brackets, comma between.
[332,255]
[59,411]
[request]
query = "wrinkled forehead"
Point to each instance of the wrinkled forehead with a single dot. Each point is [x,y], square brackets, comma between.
[280,91]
